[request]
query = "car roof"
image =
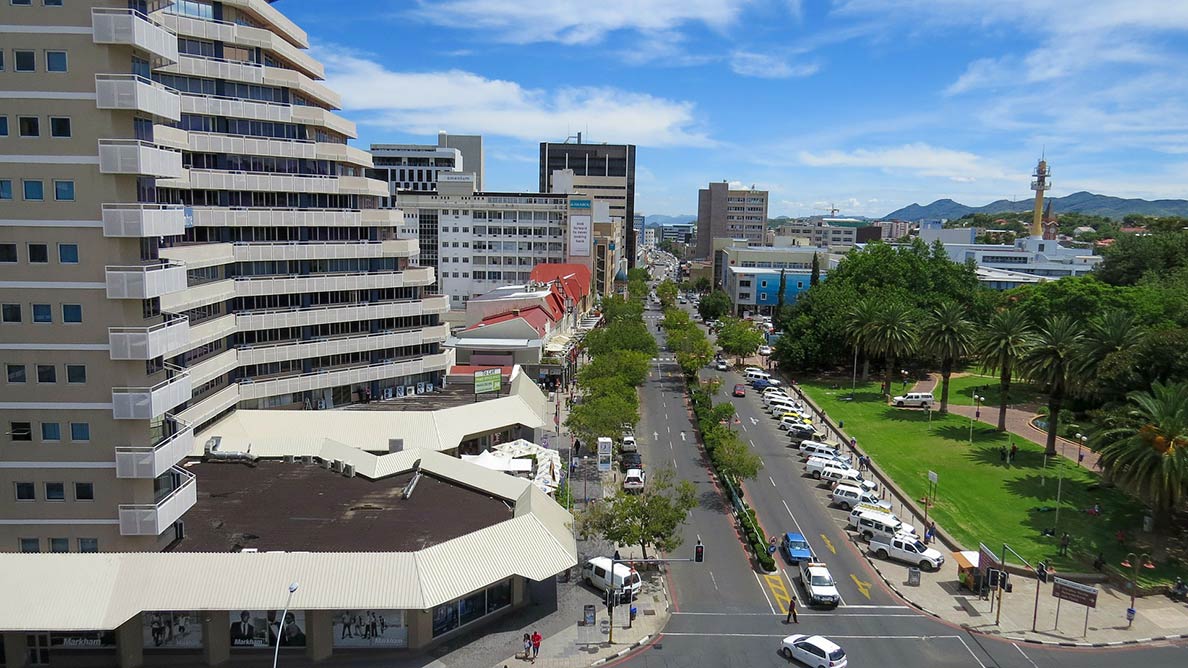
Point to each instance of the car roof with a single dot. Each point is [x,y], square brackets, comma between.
[817,568]
[638,472]
[792,535]
[824,643]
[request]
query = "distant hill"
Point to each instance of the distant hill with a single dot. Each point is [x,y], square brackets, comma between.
[660,219]
[1081,202]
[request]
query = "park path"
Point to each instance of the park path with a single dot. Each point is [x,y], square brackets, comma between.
[1018,422]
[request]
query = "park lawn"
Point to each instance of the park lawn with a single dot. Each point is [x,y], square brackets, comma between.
[961,391]
[980,499]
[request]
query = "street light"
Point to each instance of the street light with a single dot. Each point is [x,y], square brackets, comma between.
[1082,442]
[977,414]
[1133,561]
[280,625]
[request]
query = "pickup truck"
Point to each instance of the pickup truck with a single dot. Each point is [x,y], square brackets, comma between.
[908,549]
[633,481]
[818,584]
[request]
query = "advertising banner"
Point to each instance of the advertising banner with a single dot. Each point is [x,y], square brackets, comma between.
[488,380]
[258,629]
[172,629]
[579,204]
[580,234]
[370,628]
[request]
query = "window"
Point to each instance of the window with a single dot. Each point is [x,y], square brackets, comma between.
[52,3]
[25,491]
[8,253]
[23,61]
[55,61]
[10,313]
[34,190]
[51,431]
[38,253]
[88,544]
[5,189]
[42,313]
[3,119]
[72,313]
[29,126]
[59,544]
[64,191]
[30,545]
[21,431]
[68,253]
[16,373]
[25,3]
[47,373]
[84,491]
[59,126]
[55,491]
[80,431]
[76,373]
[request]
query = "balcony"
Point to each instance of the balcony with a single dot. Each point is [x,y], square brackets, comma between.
[321,315]
[385,217]
[211,179]
[199,295]
[321,117]
[229,217]
[129,92]
[211,405]
[143,220]
[212,330]
[199,255]
[146,343]
[212,367]
[150,519]
[151,462]
[145,281]
[146,403]
[272,285]
[131,156]
[216,68]
[323,250]
[267,354]
[361,185]
[207,142]
[249,389]
[125,26]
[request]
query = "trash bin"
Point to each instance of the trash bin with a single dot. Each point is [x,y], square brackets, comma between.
[633,613]
[913,577]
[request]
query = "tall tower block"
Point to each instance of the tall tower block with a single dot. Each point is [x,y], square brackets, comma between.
[1039,185]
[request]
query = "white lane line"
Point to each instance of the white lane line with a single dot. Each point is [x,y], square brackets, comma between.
[751,442]
[674,462]
[670,445]
[971,652]
[878,607]
[834,613]
[715,580]
[1025,655]
[772,481]
[781,635]
[791,585]
[764,590]
[743,426]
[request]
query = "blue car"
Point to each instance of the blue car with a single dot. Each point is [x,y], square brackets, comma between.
[761,384]
[796,548]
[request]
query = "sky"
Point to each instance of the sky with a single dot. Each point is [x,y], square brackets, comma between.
[862,105]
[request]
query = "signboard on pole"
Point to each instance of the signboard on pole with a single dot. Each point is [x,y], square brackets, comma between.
[488,380]
[1075,592]
[605,454]
[986,561]
[932,477]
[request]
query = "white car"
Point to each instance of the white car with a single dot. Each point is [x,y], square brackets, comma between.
[818,584]
[813,651]
[764,350]
[722,365]
[633,481]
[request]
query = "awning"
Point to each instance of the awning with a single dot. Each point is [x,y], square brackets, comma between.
[496,462]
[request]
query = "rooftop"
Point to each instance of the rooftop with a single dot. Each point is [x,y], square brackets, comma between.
[304,507]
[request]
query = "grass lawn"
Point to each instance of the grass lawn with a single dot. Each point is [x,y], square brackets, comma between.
[981,499]
[961,390]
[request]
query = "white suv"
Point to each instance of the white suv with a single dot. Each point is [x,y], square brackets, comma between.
[818,584]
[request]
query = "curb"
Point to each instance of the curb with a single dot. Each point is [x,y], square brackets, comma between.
[618,655]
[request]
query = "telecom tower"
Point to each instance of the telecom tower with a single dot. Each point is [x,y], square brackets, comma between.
[1039,185]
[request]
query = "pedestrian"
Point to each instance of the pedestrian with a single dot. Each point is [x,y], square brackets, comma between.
[1121,538]
[536,638]
[527,647]
[841,424]
[853,442]
[791,618]
[1014,452]
[1002,453]
[928,535]
[1081,458]
[1064,540]
[1099,562]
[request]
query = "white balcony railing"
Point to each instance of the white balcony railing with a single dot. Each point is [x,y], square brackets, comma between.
[146,403]
[212,330]
[279,352]
[213,367]
[129,92]
[198,295]
[249,389]
[145,281]
[143,220]
[213,105]
[271,285]
[323,250]
[393,217]
[126,26]
[132,156]
[150,519]
[150,462]
[145,343]
[326,119]
[322,315]
[210,405]
[229,217]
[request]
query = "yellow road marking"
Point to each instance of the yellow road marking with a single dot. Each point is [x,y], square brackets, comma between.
[828,543]
[863,587]
[778,591]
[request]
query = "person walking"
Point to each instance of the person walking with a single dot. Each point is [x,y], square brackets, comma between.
[1014,452]
[536,638]
[527,647]
[791,618]
[1064,541]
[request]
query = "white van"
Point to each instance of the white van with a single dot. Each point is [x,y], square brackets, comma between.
[836,474]
[753,375]
[877,523]
[596,573]
[810,448]
[917,399]
[848,497]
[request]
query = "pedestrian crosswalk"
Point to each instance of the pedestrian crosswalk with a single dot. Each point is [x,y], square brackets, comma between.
[664,358]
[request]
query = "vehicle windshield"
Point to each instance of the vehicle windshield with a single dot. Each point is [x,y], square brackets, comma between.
[917,546]
[821,581]
[837,654]
[798,545]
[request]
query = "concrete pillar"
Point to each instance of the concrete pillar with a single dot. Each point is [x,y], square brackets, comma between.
[130,643]
[216,637]
[319,634]
[15,655]
[518,591]
[420,628]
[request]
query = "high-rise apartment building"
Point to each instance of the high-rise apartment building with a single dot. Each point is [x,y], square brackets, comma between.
[723,212]
[603,172]
[416,166]
[184,231]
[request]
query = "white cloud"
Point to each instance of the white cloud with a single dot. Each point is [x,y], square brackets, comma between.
[423,102]
[918,159]
[767,66]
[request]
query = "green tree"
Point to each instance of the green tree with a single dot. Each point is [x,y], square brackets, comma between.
[615,308]
[999,346]
[858,322]
[621,335]
[892,334]
[739,338]
[1149,452]
[701,285]
[638,274]
[734,459]
[1113,331]
[650,519]
[714,305]
[1051,358]
[783,287]
[602,414]
[815,275]
[666,292]
[629,365]
[947,336]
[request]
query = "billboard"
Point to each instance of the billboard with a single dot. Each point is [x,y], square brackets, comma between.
[488,380]
[370,628]
[171,629]
[579,204]
[580,234]
[259,629]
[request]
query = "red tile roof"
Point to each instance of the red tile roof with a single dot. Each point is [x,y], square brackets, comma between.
[574,278]
[535,316]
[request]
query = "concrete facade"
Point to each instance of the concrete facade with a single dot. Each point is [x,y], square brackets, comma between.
[602,172]
[723,212]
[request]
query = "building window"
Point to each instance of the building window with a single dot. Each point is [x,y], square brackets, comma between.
[72,313]
[76,373]
[10,313]
[3,119]
[16,373]
[84,491]
[799,285]
[51,431]
[52,3]
[763,284]
[59,126]
[47,373]
[59,544]
[8,253]
[55,61]
[23,61]
[24,3]
[80,432]
[5,189]
[55,491]
[64,191]
[68,253]
[30,545]
[42,313]
[88,544]
[38,253]
[29,126]
[34,190]
[25,491]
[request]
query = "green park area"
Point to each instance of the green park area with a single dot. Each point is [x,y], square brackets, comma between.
[962,389]
[980,498]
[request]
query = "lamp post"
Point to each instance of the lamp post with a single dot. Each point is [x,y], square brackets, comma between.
[854,375]
[1082,441]
[977,414]
[280,625]
[1133,561]
[585,482]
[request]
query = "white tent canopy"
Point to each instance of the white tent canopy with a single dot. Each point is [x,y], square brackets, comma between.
[548,462]
[499,462]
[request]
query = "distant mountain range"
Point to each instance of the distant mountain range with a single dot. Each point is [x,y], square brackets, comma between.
[660,219]
[1081,202]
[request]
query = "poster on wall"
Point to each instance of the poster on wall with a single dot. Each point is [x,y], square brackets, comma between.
[370,628]
[445,618]
[580,234]
[259,628]
[172,629]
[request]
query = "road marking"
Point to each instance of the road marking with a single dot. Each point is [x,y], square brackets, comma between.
[828,543]
[683,436]
[655,436]
[751,442]
[764,590]
[1025,655]
[670,445]
[753,420]
[778,591]
[968,649]
[715,580]
[863,587]
[669,428]
[744,427]
[674,462]
[772,481]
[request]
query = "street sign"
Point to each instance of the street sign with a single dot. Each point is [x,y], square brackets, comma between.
[488,380]
[986,560]
[932,477]
[605,454]
[1075,592]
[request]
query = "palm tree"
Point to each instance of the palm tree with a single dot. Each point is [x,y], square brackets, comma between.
[892,334]
[857,320]
[1150,454]
[1113,332]
[947,335]
[999,346]
[1051,357]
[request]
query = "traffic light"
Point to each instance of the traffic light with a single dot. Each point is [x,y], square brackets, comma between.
[995,578]
[611,595]
[699,553]
[1041,572]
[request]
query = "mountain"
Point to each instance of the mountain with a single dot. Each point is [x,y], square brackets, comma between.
[1080,202]
[660,219]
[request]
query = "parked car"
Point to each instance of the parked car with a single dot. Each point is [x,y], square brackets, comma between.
[803,432]
[721,365]
[917,399]
[835,474]
[628,443]
[813,651]
[764,350]
[740,390]
[633,481]
[597,573]
[848,496]
[795,548]
[630,460]
[908,549]
[818,584]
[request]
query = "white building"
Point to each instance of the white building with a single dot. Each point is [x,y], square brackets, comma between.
[416,166]
[1029,255]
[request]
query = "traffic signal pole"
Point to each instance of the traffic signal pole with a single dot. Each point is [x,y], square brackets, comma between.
[613,594]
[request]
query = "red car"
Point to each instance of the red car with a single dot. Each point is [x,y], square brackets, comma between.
[740,390]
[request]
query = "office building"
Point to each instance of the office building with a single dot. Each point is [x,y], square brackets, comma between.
[723,212]
[751,275]
[416,166]
[184,232]
[679,233]
[893,230]
[649,236]
[830,232]
[602,172]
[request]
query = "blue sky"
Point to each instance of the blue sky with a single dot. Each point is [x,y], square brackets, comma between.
[865,104]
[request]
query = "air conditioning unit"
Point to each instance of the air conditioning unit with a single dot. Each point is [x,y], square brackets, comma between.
[308,459]
[289,459]
[337,466]
[326,464]
[348,470]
